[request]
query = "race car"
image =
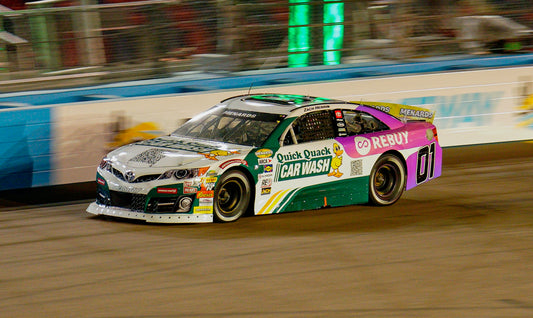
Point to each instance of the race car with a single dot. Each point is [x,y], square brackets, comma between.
[271,153]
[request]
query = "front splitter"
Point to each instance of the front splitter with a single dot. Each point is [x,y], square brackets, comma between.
[97,209]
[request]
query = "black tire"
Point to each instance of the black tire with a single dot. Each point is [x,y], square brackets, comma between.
[387,180]
[232,196]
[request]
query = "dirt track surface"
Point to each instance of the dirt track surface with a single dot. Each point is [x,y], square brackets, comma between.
[459,246]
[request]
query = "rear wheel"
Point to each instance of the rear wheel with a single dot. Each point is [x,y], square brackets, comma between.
[232,196]
[387,180]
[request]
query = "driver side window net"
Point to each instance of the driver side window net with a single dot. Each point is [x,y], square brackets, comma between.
[314,126]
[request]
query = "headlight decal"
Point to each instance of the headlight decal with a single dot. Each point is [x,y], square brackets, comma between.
[180,174]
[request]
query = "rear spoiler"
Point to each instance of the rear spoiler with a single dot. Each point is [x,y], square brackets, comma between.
[402,111]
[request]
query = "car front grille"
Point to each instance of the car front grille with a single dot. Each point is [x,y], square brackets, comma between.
[137,202]
[118,174]
[146,178]
[139,179]
[134,202]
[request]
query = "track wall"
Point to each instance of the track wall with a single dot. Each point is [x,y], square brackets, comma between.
[59,144]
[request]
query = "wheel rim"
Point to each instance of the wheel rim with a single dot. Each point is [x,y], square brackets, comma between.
[385,181]
[229,196]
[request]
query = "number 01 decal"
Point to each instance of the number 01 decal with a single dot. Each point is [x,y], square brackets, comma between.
[425,168]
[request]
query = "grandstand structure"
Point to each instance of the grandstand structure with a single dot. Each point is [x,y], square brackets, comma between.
[72,43]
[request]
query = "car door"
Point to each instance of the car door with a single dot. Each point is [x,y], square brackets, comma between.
[308,158]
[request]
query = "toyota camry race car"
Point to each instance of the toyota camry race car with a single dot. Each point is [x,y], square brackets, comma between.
[271,153]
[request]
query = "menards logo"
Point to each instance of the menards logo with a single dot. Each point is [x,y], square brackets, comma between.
[309,163]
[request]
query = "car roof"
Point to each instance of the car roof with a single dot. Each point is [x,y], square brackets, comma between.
[282,104]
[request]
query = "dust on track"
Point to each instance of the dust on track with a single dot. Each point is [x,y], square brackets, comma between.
[459,246]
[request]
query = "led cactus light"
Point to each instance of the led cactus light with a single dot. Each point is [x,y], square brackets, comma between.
[300,36]
[333,31]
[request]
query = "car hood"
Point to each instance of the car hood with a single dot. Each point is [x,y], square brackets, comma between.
[172,151]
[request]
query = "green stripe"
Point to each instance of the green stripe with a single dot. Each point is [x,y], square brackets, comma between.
[337,193]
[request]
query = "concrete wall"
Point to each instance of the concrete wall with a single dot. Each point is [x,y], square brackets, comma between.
[64,143]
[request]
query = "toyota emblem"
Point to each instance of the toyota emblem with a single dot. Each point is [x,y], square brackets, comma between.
[130,176]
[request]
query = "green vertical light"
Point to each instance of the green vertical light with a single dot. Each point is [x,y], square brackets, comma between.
[298,33]
[333,34]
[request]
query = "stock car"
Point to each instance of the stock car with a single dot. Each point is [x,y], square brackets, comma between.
[271,153]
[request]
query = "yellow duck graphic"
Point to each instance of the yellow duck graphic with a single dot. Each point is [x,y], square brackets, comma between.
[212,155]
[139,132]
[527,104]
[336,162]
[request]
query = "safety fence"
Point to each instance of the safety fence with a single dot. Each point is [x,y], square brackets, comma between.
[61,43]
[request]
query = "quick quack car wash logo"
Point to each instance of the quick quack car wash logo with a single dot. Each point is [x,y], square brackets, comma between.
[301,164]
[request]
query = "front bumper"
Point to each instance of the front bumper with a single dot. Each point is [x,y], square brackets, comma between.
[99,209]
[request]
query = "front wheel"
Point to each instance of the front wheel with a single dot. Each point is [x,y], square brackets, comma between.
[232,196]
[387,180]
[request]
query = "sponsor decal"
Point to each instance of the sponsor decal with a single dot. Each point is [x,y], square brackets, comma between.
[300,164]
[265,191]
[232,113]
[122,188]
[208,186]
[306,154]
[100,181]
[264,161]
[263,153]
[208,183]
[233,161]
[304,168]
[189,190]
[268,168]
[338,114]
[266,182]
[264,175]
[174,143]
[415,113]
[189,183]
[150,156]
[209,180]
[204,201]
[214,154]
[389,140]
[205,209]
[211,173]
[362,145]
[205,194]
[382,108]
[167,190]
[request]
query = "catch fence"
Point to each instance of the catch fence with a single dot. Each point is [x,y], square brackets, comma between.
[61,43]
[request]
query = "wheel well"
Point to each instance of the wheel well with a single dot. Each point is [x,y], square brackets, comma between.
[252,186]
[397,154]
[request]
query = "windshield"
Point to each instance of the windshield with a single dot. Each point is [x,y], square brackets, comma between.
[231,126]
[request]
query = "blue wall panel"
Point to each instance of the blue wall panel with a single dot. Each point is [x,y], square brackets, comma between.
[25,148]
